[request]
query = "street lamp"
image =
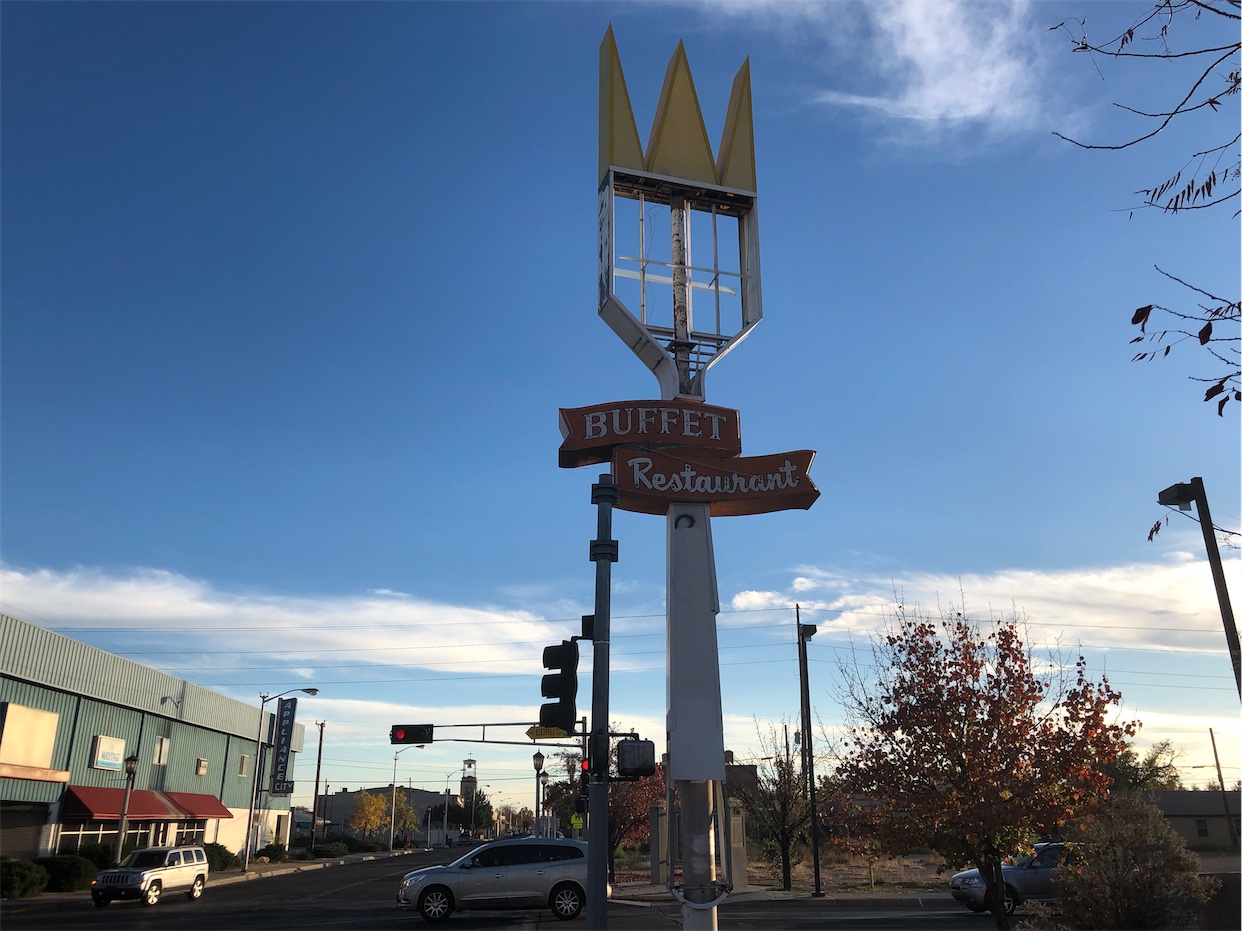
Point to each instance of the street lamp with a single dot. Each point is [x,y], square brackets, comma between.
[544,826]
[1182,495]
[805,633]
[254,785]
[131,769]
[538,761]
[392,821]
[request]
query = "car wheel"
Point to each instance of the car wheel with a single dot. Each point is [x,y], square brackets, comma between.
[1011,900]
[152,895]
[566,901]
[196,890]
[435,904]
[101,901]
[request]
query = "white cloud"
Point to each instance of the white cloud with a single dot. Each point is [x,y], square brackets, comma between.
[376,628]
[931,65]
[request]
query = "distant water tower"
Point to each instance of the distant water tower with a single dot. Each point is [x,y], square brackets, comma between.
[469,778]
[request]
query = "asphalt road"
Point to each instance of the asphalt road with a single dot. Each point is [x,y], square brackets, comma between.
[363,896]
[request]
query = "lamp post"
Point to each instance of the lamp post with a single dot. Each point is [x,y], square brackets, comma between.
[545,825]
[805,633]
[131,769]
[392,820]
[254,785]
[538,761]
[1183,495]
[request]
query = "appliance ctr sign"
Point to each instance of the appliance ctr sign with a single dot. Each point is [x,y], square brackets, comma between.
[683,450]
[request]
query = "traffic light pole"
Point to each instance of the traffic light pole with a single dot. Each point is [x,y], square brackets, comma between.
[604,495]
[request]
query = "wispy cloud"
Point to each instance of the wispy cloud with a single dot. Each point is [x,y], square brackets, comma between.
[920,70]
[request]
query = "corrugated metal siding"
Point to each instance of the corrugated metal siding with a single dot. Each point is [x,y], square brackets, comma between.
[34,696]
[34,653]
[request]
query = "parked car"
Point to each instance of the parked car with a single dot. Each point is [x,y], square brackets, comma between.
[504,874]
[1027,878]
[148,874]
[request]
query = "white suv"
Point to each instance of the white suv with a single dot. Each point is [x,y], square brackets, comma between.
[148,874]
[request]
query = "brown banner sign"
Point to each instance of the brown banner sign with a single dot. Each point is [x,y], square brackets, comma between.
[591,433]
[651,481]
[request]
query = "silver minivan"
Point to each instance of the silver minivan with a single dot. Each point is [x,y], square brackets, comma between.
[148,874]
[520,872]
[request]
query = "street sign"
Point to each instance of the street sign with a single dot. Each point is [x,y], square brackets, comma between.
[536,732]
[576,821]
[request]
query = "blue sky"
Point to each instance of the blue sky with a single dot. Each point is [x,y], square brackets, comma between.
[292,294]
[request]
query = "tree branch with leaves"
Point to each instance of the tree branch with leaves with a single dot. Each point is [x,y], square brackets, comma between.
[1210,177]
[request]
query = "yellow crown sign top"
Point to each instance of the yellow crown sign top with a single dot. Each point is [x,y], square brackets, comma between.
[678,146]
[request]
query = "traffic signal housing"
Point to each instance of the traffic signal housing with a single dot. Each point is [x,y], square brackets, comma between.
[561,685]
[412,734]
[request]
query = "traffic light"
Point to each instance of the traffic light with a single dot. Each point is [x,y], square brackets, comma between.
[561,685]
[412,734]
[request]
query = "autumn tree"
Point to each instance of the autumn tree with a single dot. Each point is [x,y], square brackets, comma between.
[405,818]
[776,805]
[959,741]
[370,812]
[629,802]
[629,812]
[1196,43]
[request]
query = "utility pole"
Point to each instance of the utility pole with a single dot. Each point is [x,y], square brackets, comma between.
[604,552]
[805,632]
[1224,793]
[315,798]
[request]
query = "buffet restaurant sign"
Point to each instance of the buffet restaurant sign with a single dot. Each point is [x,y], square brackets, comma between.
[683,451]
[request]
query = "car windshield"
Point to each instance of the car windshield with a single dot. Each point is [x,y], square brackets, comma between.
[144,859]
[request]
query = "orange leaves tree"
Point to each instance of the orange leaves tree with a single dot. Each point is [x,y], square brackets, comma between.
[957,742]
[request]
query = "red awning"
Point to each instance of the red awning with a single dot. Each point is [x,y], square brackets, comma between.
[101,803]
[197,806]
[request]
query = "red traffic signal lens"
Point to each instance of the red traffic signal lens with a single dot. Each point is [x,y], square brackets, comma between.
[398,733]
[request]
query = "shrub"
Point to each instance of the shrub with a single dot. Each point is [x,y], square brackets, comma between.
[1128,868]
[275,852]
[67,872]
[331,850]
[220,858]
[20,878]
[98,854]
[300,853]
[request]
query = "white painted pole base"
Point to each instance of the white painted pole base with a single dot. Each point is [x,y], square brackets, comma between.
[695,722]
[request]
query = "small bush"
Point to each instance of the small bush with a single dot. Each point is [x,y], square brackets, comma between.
[98,854]
[331,850]
[301,853]
[1128,868]
[220,858]
[67,872]
[371,846]
[275,852]
[21,878]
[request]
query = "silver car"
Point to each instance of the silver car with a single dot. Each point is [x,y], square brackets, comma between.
[520,872]
[148,874]
[1026,878]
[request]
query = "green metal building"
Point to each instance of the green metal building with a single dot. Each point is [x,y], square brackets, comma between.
[72,715]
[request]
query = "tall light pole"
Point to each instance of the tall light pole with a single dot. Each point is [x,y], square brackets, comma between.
[1183,495]
[131,769]
[392,820]
[805,633]
[254,784]
[537,759]
[315,797]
